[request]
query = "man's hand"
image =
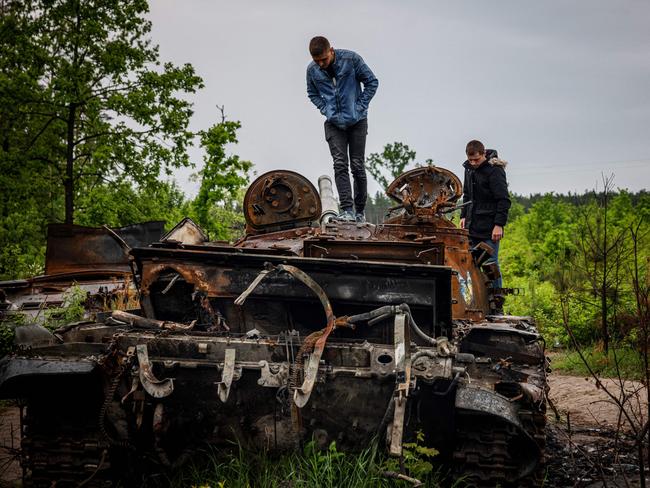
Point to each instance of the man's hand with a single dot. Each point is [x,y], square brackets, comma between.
[497,233]
[462,223]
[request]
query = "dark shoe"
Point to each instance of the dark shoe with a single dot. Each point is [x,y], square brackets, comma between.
[360,218]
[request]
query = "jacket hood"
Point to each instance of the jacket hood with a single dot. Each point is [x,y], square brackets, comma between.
[492,157]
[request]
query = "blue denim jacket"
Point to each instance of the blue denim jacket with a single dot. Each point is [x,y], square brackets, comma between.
[341,99]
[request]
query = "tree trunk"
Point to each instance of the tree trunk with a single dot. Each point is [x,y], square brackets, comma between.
[68,181]
[603,310]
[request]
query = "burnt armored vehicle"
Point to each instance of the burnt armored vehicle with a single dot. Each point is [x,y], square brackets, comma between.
[305,328]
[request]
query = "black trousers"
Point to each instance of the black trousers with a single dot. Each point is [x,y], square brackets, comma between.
[342,141]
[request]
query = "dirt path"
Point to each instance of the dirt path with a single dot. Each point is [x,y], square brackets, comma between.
[10,472]
[589,406]
[584,448]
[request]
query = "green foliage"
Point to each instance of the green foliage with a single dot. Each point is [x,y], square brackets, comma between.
[377,207]
[217,206]
[416,458]
[551,253]
[71,310]
[392,161]
[226,221]
[620,359]
[97,105]
[314,467]
[7,335]
[122,204]
[22,236]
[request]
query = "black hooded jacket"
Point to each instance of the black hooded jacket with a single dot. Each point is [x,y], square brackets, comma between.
[486,188]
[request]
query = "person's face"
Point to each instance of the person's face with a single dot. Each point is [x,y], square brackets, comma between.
[475,160]
[325,59]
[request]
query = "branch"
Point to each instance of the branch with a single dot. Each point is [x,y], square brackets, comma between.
[92,136]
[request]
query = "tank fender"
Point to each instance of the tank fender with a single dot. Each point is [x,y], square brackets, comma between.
[487,402]
[16,374]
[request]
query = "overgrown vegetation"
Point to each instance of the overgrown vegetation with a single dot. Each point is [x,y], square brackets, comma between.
[72,309]
[624,361]
[314,467]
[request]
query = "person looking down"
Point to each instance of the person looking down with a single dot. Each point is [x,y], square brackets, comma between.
[334,85]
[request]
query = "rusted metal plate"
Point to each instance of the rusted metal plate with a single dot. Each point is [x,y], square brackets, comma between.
[186,232]
[406,252]
[73,248]
[280,198]
[370,283]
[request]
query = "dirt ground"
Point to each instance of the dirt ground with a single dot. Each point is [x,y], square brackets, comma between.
[588,404]
[591,445]
[583,445]
[10,472]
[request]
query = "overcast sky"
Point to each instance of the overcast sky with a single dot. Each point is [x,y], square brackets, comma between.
[561,88]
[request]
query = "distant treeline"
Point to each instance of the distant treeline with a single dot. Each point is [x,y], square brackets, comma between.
[573,198]
[377,206]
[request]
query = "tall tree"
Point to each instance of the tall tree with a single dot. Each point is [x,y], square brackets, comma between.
[222,178]
[84,98]
[392,161]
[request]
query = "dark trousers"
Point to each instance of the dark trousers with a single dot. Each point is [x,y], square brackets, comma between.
[352,139]
[493,259]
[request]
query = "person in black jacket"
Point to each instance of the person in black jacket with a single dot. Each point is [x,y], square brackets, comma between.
[485,190]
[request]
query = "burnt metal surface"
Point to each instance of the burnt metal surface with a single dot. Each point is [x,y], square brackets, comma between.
[301,329]
[72,248]
[280,199]
[186,232]
[95,260]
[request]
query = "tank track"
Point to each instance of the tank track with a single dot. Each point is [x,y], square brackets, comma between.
[63,456]
[484,451]
[67,461]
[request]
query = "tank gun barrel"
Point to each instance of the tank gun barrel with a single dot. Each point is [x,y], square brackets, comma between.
[328,202]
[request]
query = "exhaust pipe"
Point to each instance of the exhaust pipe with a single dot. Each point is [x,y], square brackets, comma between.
[328,202]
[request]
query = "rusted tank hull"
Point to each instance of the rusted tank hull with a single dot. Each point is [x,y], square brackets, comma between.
[187,391]
[302,329]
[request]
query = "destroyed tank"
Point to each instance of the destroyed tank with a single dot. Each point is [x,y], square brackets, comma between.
[305,328]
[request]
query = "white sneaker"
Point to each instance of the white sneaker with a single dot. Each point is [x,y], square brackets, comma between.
[346,216]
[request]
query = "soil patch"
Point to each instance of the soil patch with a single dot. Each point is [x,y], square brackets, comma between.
[585,446]
[10,471]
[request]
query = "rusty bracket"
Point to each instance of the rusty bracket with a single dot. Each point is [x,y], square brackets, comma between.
[397,427]
[135,383]
[239,301]
[223,387]
[152,385]
[301,394]
[403,382]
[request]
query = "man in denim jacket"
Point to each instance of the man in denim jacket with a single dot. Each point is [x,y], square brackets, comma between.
[334,80]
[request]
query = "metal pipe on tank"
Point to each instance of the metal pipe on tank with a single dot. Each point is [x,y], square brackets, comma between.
[328,202]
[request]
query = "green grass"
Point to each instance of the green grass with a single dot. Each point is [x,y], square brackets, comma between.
[630,365]
[328,468]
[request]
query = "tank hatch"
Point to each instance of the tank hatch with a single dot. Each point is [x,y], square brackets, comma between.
[280,200]
[427,187]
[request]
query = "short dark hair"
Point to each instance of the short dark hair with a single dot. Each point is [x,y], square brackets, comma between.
[474,147]
[318,45]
